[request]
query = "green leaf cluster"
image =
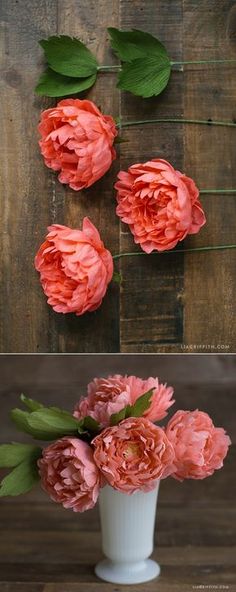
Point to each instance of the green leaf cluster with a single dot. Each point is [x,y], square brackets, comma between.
[72,68]
[50,423]
[42,423]
[23,459]
[146,65]
[137,410]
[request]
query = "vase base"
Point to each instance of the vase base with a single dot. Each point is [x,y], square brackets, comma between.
[127,573]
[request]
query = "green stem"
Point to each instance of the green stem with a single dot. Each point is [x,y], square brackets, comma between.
[108,68]
[120,124]
[203,62]
[111,68]
[217,190]
[190,250]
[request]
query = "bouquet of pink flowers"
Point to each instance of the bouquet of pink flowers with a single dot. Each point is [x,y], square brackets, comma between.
[111,438]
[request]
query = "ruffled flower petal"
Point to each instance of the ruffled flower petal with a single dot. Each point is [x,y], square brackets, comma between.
[160,205]
[77,140]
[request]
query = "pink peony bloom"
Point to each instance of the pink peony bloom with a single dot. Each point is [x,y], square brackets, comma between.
[109,395]
[200,448]
[105,397]
[69,474]
[160,205]
[77,140]
[75,268]
[134,455]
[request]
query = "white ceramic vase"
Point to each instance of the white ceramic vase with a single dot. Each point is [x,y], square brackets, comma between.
[127,523]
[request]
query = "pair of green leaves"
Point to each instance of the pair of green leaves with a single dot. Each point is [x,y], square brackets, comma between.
[51,423]
[137,410]
[72,68]
[22,458]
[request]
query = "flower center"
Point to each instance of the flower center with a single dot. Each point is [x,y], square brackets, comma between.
[131,451]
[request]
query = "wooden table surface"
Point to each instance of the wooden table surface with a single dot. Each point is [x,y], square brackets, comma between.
[44,548]
[164,303]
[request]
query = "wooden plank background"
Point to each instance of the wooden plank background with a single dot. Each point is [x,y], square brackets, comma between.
[175,303]
[44,548]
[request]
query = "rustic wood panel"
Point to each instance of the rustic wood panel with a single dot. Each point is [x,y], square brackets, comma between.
[26,191]
[60,560]
[31,195]
[96,332]
[172,303]
[209,155]
[151,307]
[170,529]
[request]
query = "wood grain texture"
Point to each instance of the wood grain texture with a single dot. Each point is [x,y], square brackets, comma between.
[98,331]
[151,306]
[45,548]
[176,303]
[26,191]
[61,560]
[31,195]
[209,156]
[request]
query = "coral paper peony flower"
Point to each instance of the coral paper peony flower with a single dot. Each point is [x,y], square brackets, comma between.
[160,204]
[134,455]
[109,395]
[75,268]
[77,140]
[105,397]
[69,474]
[200,448]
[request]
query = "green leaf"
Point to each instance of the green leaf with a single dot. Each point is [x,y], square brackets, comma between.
[54,423]
[145,77]
[119,416]
[90,424]
[141,404]
[137,410]
[147,68]
[21,418]
[13,454]
[51,84]
[30,403]
[69,56]
[130,45]
[21,479]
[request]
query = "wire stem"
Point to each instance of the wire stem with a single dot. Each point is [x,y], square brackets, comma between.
[114,67]
[203,62]
[124,124]
[217,190]
[109,68]
[190,250]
